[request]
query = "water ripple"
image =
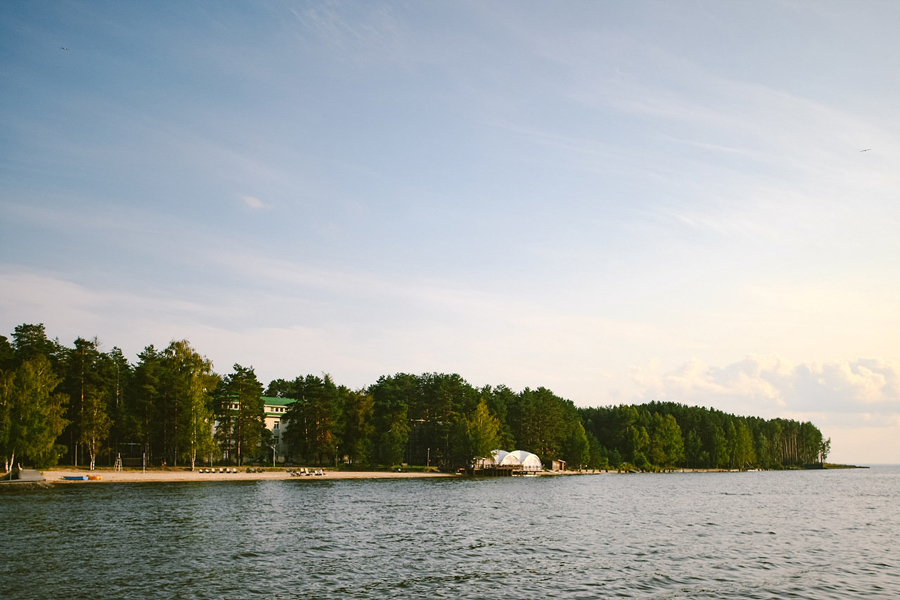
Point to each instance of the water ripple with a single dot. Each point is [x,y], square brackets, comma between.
[754,535]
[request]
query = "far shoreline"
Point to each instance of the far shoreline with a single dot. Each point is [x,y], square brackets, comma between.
[176,474]
[157,475]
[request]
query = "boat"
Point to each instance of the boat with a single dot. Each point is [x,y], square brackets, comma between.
[75,477]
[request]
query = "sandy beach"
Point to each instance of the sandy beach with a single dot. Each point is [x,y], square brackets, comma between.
[165,475]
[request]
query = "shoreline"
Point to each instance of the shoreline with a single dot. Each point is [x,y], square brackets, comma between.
[157,475]
[56,475]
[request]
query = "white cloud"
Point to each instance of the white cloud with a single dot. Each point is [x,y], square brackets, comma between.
[254,202]
[865,389]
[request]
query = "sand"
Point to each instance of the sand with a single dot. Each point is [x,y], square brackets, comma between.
[159,475]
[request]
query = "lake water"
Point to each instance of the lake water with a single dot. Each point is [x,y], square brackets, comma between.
[809,534]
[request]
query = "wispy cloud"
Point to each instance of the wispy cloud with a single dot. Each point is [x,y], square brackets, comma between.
[369,35]
[254,203]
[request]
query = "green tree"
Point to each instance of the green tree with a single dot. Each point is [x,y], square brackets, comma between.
[94,424]
[7,355]
[598,455]
[671,441]
[357,426]
[539,420]
[763,450]
[640,443]
[575,446]
[391,396]
[481,432]
[7,378]
[719,451]
[239,413]
[30,341]
[85,385]
[141,423]
[189,380]
[120,374]
[34,413]
[744,451]
[693,450]
[824,450]
[656,454]
[498,400]
[314,420]
[810,443]
[615,458]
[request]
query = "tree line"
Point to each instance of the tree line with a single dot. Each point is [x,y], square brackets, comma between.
[82,405]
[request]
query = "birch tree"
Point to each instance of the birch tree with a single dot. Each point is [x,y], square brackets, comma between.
[35,413]
[189,381]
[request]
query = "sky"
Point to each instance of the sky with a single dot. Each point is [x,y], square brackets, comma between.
[621,202]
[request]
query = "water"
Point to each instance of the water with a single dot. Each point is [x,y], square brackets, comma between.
[810,534]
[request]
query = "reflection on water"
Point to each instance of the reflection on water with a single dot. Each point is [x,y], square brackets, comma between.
[812,534]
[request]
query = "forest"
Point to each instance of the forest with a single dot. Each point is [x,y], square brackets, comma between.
[81,405]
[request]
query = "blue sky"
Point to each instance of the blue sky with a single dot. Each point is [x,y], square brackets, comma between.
[619,201]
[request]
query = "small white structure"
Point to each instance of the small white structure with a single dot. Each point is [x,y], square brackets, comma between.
[529,461]
[519,460]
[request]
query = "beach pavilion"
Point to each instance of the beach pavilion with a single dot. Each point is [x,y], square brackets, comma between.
[517,462]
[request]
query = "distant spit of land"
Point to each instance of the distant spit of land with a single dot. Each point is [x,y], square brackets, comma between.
[157,475]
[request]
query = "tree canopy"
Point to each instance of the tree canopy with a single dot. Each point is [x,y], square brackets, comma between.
[82,404]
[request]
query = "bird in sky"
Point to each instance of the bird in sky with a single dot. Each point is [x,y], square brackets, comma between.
[865,149]
[63,48]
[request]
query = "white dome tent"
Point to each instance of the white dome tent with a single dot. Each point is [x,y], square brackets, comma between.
[529,461]
[516,462]
[510,460]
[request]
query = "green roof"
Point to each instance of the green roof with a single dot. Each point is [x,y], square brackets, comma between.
[270,401]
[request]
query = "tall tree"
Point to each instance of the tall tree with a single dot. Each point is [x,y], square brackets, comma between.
[314,420]
[576,450]
[119,376]
[142,424]
[498,400]
[94,424]
[824,450]
[744,451]
[7,449]
[480,433]
[239,413]
[672,441]
[84,384]
[391,398]
[189,380]
[357,426]
[35,413]
[30,341]
[7,354]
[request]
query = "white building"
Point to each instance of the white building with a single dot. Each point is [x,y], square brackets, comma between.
[275,409]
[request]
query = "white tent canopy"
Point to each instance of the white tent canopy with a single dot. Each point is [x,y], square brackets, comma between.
[529,461]
[517,458]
